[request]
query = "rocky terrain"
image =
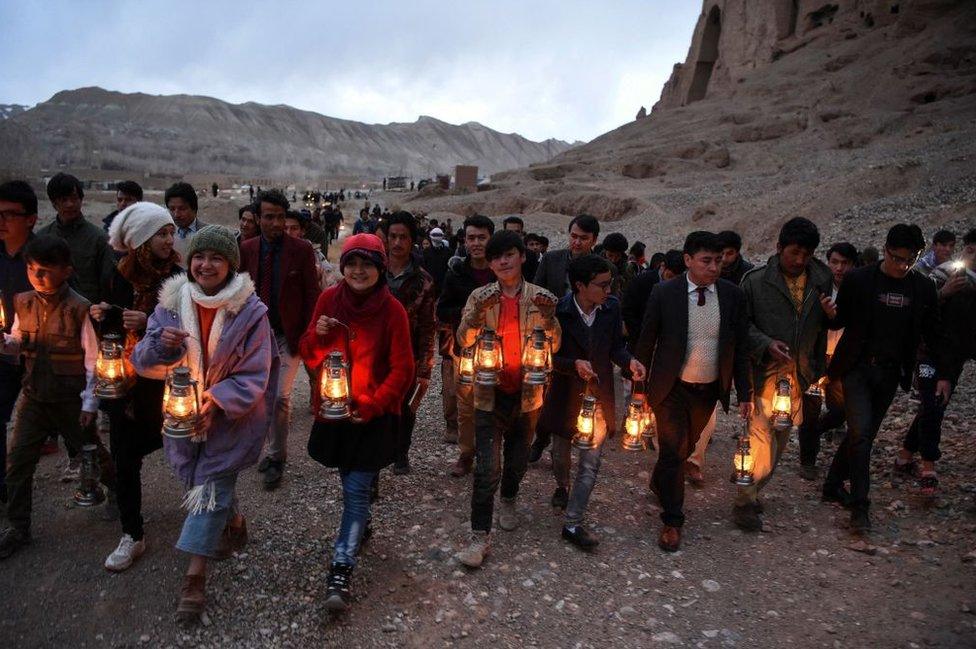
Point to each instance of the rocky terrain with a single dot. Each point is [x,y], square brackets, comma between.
[92,128]
[9,110]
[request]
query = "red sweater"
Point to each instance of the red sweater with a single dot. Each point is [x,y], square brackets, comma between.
[382,356]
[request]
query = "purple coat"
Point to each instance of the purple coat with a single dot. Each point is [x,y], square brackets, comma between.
[241,376]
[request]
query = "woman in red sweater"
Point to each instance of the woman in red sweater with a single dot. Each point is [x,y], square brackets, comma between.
[360,318]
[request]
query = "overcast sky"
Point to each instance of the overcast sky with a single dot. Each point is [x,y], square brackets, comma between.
[570,70]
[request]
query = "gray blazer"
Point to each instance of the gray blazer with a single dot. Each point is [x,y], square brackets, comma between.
[551,274]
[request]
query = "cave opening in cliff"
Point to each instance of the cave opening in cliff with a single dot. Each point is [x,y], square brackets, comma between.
[707,55]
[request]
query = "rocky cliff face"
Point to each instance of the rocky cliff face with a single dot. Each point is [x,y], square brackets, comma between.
[9,110]
[98,129]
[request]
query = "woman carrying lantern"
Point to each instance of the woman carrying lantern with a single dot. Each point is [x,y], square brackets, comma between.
[212,325]
[592,344]
[144,231]
[358,343]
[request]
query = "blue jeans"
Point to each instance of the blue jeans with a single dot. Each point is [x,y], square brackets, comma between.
[355,514]
[586,471]
[201,532]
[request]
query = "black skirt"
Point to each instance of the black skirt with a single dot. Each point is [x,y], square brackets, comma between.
[354,447]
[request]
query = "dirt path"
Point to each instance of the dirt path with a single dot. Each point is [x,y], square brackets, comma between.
[799,583]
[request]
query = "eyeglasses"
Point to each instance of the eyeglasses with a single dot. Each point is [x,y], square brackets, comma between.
[9,214]
[899,260]
[603,285]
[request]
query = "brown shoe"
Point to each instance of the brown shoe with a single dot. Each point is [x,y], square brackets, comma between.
[232,540]
[694,475]
[670,539]
[462,467]
[193,598]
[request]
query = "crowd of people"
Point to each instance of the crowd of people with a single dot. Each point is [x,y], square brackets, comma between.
[535,348]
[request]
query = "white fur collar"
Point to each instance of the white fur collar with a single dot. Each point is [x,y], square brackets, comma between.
[232,297]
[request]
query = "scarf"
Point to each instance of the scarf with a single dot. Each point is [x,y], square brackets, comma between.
[356,307]
[146,272]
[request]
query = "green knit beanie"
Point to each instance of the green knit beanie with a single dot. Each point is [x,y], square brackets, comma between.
[218,239]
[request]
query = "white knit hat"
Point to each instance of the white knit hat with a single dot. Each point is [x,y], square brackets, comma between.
[136,224]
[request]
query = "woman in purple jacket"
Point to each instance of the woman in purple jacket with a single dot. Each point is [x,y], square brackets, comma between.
[212,322]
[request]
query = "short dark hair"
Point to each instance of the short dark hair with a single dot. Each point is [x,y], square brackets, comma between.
[295,214]
[246,208]
[674,260]
[730,239]
[658,258]
[531,236]
[19,191]
[501,242]
[869,255]
[477,221]
[405,219]
[585,268]
[184,191]
[844,249]
[969,238]
[274,197]
[638,249]
[62,185]
[544,241]
[904,235]
[48,250]
[701,240]
[130,188]
[615,242]
[801,232]
[586,223]
[513,219]
[944,236]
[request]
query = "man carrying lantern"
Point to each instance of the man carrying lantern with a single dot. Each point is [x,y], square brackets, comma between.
[695,331]
[788,301]
[497,318]
[592,343]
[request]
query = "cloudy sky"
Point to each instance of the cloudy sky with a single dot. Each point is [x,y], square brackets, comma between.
[570,70]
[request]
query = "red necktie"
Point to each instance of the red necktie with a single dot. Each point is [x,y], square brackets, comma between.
[701,295]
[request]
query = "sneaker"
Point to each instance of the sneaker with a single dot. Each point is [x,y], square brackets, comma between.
[338,593]
[193,599]
[462,467]
[560,498]
[479,548]
[273,474]
[11,540]
[125,555]
[401,467]
[508,518]
[581,538]
[110,512]
[838,495]
[746,518]
[808,471]
[72,470]
[860,521]
[928,484]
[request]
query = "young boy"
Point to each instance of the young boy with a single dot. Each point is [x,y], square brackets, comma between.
[52,332]
[592,343]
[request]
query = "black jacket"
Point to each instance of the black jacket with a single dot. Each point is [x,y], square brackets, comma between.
[436,260]
[855,312]
[737,271]
[959,320]
[458,284]
[664,340]
[635,302]
[603,345]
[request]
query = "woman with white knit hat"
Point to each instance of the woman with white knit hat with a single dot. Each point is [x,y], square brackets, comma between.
[144,232]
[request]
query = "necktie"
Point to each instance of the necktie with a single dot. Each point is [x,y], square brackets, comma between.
[701,295]
[184,233]
[267,271]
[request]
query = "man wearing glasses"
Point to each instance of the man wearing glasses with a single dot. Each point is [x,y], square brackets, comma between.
[886,309]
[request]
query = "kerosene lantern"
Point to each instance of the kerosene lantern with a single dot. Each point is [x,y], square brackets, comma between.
[537,357]
[181,404]
[635,425]
[88,493]
[111,379]
[335,387]
[466,366]
[585,437]
[743,461]
[782,414]
[487,357]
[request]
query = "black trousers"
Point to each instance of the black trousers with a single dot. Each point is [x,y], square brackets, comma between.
[405,425]
[815,424]
[925,434]
[868,392]
[10,379]
[681,418]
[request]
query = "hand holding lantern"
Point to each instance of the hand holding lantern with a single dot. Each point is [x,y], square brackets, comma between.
[334,386]
[782,412]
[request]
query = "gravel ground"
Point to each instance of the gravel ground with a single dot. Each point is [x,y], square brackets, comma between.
[803,581]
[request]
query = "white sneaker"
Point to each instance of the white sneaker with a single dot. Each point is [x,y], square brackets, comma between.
[124,555]
[474,555]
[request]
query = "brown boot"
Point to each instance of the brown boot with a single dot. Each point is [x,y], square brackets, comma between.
[462,467]
[670,539]
[193,598]
[232,540]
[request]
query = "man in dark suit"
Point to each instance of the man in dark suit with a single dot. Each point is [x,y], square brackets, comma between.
[635,297]
[284,272]
[885,309]
[695,340]
[584,230]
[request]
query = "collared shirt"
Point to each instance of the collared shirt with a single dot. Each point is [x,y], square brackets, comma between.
[704,323]
[396,281]
[796,286]
[185,233]
[588,320]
